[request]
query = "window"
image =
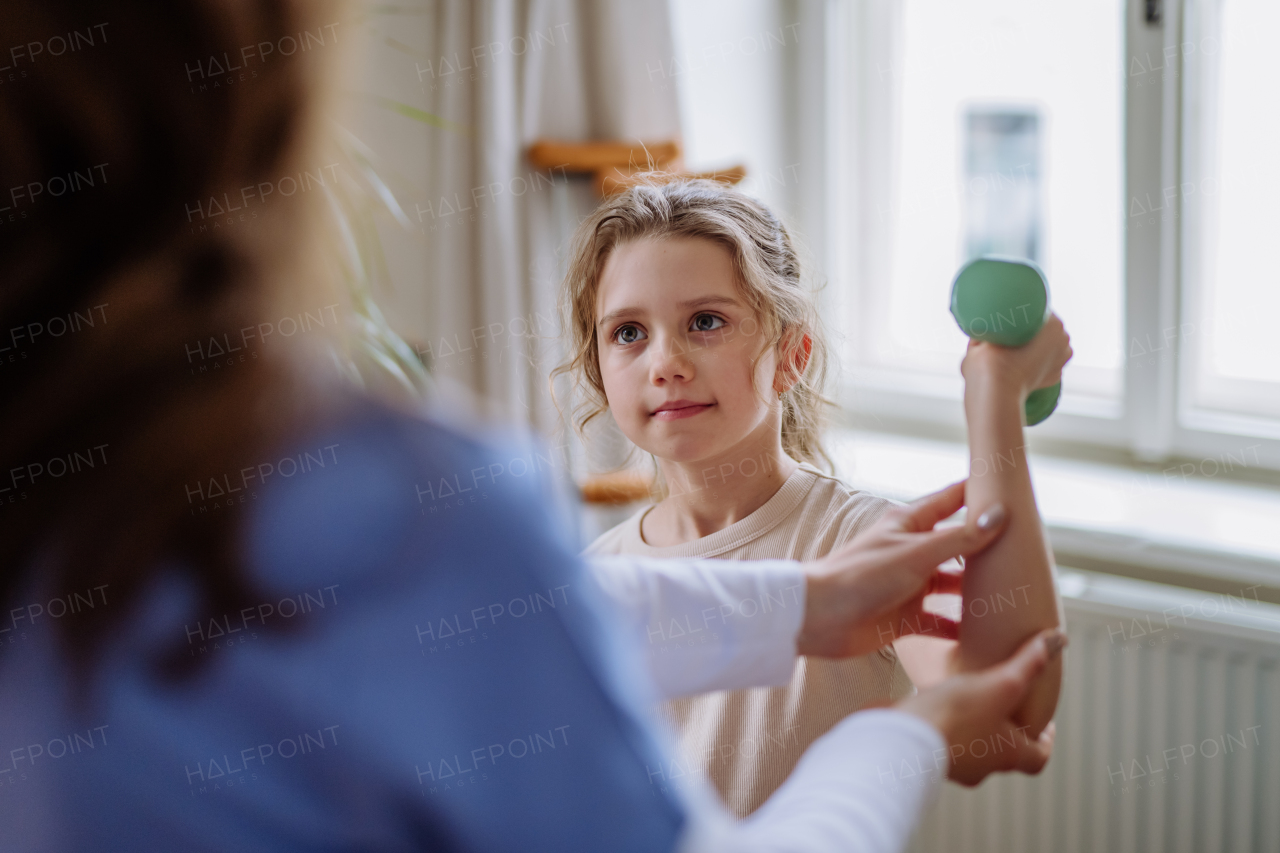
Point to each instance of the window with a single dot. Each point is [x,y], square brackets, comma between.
[1124,146]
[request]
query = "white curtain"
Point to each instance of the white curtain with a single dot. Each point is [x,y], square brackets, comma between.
[503,73]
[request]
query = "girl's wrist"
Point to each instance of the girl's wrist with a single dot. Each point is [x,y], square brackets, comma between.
[987,389]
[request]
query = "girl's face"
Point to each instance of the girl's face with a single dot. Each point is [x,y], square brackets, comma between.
[676,343]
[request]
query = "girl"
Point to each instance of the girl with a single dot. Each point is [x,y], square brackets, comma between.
[691,327]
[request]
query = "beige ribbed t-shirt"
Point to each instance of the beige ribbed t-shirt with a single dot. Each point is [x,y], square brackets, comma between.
[747,742]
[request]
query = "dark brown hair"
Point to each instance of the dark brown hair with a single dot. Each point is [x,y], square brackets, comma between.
[113,139]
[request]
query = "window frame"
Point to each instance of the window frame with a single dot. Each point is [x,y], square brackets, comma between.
[1201,430]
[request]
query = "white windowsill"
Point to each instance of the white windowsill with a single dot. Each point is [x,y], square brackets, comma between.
[1207,527]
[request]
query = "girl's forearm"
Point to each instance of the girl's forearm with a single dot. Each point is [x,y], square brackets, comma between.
[1009,592]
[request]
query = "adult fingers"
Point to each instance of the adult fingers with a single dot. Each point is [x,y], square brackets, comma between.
[924,513]
[1025,755]
[1033,755]
[938,546]
[1006,684]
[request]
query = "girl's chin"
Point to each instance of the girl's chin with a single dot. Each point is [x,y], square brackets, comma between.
[683,443]
[685,452]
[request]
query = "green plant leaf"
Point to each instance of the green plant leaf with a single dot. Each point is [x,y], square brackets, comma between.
[420,115]
[371,348]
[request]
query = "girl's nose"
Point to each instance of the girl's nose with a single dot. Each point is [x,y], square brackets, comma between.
[670,361]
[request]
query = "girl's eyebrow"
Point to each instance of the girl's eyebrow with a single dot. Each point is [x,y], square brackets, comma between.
[701,302]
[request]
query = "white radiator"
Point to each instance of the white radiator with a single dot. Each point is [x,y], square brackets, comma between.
[1168,733]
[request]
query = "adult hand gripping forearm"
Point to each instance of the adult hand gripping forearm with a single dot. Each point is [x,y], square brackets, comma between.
[872,591]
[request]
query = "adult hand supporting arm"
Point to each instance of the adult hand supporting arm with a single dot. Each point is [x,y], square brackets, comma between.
[863,785]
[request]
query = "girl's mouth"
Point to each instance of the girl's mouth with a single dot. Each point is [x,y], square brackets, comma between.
[678,409]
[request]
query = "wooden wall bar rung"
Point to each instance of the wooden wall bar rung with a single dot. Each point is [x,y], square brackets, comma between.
[616,165]
[617,489]
[590,157]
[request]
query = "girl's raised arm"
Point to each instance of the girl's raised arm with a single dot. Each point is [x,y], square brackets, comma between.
[1008,591]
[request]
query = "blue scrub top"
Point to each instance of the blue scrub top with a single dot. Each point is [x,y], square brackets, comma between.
[426,666]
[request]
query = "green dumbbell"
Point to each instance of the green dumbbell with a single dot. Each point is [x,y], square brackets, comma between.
[1005,301]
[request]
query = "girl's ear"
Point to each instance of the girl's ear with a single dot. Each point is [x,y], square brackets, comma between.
[793,360]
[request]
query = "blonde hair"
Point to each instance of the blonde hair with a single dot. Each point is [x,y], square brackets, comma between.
[768,274]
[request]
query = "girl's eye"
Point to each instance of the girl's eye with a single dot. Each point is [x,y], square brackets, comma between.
[707,323]
[628,335]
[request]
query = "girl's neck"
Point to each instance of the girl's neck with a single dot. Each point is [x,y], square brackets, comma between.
[709,495]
